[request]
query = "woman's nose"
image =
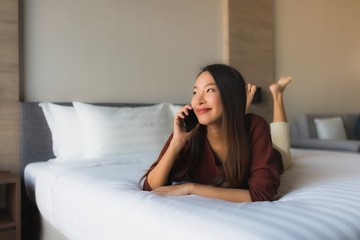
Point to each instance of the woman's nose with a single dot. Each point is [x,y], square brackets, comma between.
[200,99]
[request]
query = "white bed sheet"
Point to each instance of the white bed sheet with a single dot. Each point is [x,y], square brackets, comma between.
[319,198]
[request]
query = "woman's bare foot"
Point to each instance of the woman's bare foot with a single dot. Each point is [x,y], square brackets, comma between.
[279,86]
[250,91]
[277,90]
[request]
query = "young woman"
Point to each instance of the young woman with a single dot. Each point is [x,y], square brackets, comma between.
[229,155]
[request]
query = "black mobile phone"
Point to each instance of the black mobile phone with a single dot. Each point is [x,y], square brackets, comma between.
[190,121]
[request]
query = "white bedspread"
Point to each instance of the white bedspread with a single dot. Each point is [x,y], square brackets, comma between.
[319,198]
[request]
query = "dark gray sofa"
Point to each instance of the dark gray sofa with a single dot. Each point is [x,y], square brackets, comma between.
[304,133]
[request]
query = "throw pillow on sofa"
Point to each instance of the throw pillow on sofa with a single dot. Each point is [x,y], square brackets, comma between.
[330,128]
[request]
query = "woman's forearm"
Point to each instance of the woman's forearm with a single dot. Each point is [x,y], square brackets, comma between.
[159,175]
[228,194]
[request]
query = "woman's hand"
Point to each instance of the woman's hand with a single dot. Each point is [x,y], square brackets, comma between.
[174,190]
[180,135]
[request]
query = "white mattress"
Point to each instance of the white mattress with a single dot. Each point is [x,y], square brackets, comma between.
[319,198]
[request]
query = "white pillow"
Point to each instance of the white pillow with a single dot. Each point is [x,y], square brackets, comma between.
[109,131]
[65,131]
[174,109]
[330,128]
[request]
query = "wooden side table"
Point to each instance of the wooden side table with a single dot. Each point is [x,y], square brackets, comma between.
[10,213]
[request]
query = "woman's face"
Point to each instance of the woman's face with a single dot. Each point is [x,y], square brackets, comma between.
[206,100]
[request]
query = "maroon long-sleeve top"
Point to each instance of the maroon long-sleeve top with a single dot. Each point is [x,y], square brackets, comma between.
[266,163]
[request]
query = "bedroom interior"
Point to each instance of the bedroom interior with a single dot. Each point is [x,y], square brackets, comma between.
[319,49]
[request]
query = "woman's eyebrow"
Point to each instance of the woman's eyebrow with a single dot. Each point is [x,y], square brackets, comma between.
[206,85]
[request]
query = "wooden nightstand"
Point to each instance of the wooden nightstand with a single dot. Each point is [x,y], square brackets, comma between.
[10,214]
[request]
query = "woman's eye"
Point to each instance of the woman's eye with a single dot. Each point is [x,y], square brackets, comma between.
[194,93]
[210,90]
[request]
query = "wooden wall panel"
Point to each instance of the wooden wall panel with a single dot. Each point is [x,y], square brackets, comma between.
[9,85]
[251,45]
[9,137]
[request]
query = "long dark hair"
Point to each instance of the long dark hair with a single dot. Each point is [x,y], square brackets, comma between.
[236,166]
[231,85]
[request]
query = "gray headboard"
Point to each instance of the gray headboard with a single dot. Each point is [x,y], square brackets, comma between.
[35,135]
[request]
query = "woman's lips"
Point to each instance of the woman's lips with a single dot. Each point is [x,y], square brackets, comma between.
[202,110]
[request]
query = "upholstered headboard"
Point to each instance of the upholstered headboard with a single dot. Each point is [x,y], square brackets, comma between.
[35,135]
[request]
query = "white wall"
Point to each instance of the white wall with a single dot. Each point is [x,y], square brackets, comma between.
[118,50]
[150,51]
[318,43]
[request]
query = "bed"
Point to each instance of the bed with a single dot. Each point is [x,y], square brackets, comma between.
[100,197]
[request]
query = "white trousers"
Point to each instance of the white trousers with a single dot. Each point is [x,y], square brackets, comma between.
[280,136]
